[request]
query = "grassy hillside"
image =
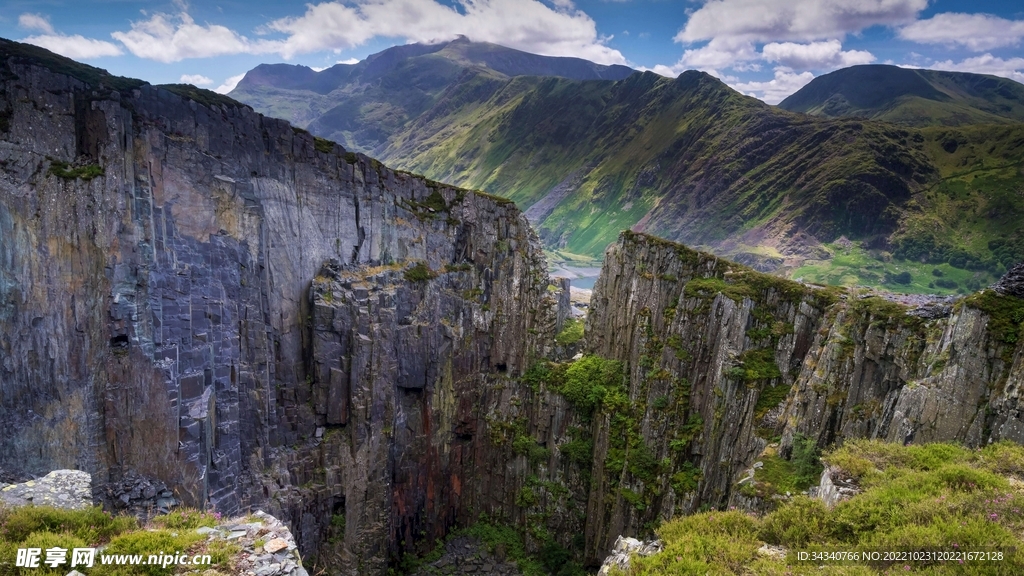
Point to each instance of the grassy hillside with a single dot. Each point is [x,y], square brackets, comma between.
[936,497]
[911,97]
[694,161]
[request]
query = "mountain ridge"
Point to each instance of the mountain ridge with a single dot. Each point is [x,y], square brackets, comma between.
[693,160]
[910,96]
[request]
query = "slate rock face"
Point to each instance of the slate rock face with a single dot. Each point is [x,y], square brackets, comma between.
[156,262]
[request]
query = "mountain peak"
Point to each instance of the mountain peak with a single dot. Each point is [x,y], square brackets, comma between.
[910,96]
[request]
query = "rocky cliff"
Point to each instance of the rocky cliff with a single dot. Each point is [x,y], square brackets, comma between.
[723,362]
[194,292]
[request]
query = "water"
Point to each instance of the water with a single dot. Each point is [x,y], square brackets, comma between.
[585,282]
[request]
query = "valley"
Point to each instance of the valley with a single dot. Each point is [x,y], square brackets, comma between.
[260,317]
[691,160]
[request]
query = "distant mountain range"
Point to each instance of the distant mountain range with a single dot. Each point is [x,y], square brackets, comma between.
[362,105]
[912,97]
[592,150]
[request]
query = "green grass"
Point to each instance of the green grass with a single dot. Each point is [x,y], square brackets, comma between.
[856,266]
[68,172]
[44,527]
[934,496]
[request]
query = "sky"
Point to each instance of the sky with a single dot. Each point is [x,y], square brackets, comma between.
[764,48]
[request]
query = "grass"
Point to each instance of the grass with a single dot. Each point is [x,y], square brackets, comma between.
[857,266]
[779,476]
[68,172]
[45,527]
[928,497]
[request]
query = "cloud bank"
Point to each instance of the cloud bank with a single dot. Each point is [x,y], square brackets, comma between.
[530,25]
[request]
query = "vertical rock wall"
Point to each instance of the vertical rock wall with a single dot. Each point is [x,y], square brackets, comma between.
[156,263]
[739,358]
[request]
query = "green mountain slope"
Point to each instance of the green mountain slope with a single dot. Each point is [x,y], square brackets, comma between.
[911,97]
[692,160]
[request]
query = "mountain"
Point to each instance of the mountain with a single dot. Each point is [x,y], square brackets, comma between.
[693,160]
[912,97]
[362,105]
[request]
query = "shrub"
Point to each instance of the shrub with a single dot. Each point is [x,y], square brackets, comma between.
[589,380]
[419,272]
[903,278]
[571,332]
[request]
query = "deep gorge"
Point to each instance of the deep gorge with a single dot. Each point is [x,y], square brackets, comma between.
[195,292]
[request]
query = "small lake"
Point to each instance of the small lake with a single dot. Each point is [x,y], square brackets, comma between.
[580,277]
[585,282]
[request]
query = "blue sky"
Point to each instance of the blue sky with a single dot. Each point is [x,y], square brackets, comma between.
[765,48]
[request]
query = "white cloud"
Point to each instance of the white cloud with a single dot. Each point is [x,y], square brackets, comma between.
[815,55]
[976,32]
[349,61]
[530,25]
[795,20]
[196,79]
[664,70]
[558,29]
[78,47]
[36,22]
[1012,68]
[773,91]
[167,38]
[229,84]
[799,34]
[719,53]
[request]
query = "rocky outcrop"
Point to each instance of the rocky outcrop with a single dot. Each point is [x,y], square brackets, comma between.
[267,547]
[1012,283]
[834,487]
[71,489]
[623,550]
[136,495]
